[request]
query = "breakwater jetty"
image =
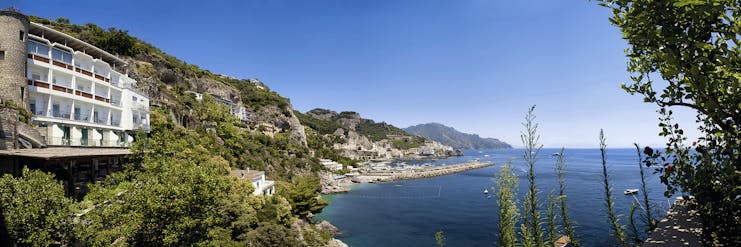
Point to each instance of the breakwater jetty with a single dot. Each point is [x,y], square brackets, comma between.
[414,172]
[384,172]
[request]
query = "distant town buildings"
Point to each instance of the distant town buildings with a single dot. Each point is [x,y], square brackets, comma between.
[330,164]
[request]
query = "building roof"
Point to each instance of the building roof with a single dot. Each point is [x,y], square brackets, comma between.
[75,43]
[246,174]
[64,152]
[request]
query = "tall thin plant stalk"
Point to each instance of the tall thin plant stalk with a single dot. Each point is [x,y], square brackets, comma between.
[633,228]
[532,218]
[650,222]
[550,214]
[507,202]
[440,238]
[560,167]
[617,229]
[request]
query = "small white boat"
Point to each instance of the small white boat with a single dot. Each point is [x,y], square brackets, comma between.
[630,191]
[486,191]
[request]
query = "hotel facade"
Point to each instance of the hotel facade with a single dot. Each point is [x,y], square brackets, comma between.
[79,95]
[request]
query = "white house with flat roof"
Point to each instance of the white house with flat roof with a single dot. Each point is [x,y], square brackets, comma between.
[262,186]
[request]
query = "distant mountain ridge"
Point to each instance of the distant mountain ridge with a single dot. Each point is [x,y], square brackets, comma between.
[454,138]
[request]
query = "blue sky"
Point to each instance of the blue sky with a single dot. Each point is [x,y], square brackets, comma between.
[474,65]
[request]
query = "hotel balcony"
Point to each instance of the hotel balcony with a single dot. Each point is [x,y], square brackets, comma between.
[82,93]
[38,54]
[85,142]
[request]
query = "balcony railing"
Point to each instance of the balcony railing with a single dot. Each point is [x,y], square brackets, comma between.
[38,83]
[60,115]
[63,65]
[81,118]
[62,89]
[100,121]
[83,94]
[38,58]
[102,78]
[84,72]
[103,99]
[81,142]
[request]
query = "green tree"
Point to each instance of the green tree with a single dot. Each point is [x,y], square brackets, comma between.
[34,209]
[692,46]
[271,234]
[304,195]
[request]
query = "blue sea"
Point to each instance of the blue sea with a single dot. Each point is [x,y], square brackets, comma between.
[409,213]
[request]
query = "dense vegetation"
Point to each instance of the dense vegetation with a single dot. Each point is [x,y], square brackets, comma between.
[687,54]
[322,126]
[456,139]
[34,209]
[277,155]
[176,191]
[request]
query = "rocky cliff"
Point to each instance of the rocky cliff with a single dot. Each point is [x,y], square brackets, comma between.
[364,139]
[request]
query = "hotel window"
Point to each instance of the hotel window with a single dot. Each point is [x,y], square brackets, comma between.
[38,48]
[61,56]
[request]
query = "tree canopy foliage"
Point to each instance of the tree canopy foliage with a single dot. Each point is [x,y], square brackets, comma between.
[302,194]
[34,209]
[686,54]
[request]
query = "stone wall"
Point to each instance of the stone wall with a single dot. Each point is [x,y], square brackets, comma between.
[8,118]
[13,36]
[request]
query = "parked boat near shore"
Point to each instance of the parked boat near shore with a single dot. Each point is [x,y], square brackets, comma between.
[630,191]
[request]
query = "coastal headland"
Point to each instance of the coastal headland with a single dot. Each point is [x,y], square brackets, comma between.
[383,172]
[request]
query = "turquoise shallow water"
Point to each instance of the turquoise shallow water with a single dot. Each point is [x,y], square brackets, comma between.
[408,213]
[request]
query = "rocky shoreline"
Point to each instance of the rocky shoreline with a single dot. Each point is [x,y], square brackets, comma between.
[386,173]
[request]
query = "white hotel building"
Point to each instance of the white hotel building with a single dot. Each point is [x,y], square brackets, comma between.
[79,94]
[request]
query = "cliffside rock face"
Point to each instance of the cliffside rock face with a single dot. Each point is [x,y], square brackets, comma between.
[361,148]
[281,122]
[152,72]
[364,139]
